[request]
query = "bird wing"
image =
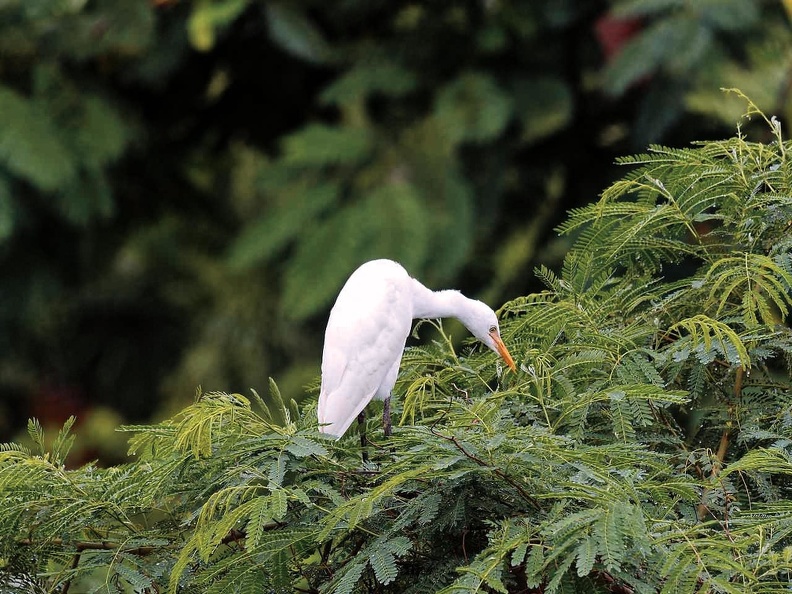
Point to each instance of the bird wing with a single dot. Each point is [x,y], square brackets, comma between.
[365,337]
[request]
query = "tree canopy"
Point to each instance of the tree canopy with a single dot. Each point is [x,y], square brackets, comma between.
[643,445]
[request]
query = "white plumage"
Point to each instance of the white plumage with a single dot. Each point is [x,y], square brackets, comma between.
[367,330]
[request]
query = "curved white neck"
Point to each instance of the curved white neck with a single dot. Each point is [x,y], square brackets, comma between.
[438,304]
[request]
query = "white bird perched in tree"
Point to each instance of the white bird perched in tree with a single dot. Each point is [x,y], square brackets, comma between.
[366,333]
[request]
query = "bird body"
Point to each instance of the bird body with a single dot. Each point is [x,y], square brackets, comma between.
[368,328]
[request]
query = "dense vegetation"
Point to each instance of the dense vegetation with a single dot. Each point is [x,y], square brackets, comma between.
[643,446]
[185,185]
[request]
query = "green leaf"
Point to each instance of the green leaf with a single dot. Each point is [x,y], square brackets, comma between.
[132,575]
[369,78]
[277,470]
[384,567]
[391,221]
[559,574]
[30,144]
[609,536]
[300,447]
[102,134]
[643,8]
[85,197]
[760,280]
[397,225]
[534,566]
[347,578]
[703,330]
[278,504]
[267,237]
[646,52]
[7,210]
[729,15]
[622,417]
[473,108]
[586,556]
[453,233]
[543,105]
[291,29]
[320,144]
[321,263]
[36,433]
[63,442]
[209,15]
[277,399]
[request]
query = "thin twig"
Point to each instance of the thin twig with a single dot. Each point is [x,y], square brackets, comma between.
[75,562]
[613,584]
[105,545]
[723,447]
[497,471]
[464,548]
[90,546]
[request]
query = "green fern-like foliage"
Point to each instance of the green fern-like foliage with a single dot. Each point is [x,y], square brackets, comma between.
[644,444]
[61,142]
[674,42]
[362,190]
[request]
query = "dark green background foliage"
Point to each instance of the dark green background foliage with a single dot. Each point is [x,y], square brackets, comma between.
[185,185]
[643,446]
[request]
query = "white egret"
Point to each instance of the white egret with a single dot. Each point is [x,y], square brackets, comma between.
[366,333]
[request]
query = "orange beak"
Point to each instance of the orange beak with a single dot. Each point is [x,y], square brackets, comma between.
[502,350]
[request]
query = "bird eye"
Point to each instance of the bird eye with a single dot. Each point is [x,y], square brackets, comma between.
[493,329]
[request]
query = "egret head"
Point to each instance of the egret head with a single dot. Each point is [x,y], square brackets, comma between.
[483,324]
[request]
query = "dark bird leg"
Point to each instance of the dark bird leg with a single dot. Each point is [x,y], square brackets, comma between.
[386,419]
[386,423]
[362,431]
